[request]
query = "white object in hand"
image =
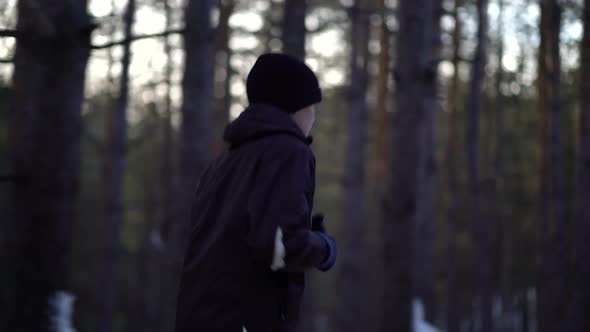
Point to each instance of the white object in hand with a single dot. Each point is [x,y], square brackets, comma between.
[278,260]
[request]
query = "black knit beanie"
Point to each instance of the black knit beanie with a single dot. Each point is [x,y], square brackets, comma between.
[283,81]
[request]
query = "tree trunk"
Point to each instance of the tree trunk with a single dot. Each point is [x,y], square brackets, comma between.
[115,172]
[155,247]
[271,25]
[352,315]
[499,203]
[224,52]
[44,135]
[580,304]
[452,303]
[383,107]
[197,107]
[415,74]
[481,227]
[294,27]
[197,121]
[168,175]
[552,304]
[424,240]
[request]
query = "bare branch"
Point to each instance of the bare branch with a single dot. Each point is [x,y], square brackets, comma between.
[139,37]
[9,33]
[326,25]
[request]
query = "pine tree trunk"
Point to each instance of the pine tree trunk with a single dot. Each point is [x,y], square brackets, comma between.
[480,222]
[224,52]
[271,25]
[383,107]
[352,315]
[294,27]
[452,303]
[552,303]
[44,136]
[115,172]
[498,203]
[168,175]
[424,241]
[157,244]
[197,121]
[415,74]
[197,107]
[579,319]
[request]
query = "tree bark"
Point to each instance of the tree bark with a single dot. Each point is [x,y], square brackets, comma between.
[499,204]
[114,180]
[197,120]
[383,107]
[197,87]
[168,175]
[452,300]
[157,246]
[424,241]
[294,27]
[44,136]
[415,74]
[353,314]
[552,302]
[224,52]
[580,303]
[480,222]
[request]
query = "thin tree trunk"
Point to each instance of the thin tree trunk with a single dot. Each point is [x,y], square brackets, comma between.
[224,52]
[44,136]
[498,203]
[481,228]
[383,106]
[579,319]
[271,25]
[552,303]
[197,121]
[197,107]
[524,307]
[424,241]
[167,170]
[452,303]
[110,56]
[157,245]
[294,27]
[353,313]
[415,73]
[115,172]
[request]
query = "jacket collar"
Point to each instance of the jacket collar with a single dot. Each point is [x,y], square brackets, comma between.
[261,120]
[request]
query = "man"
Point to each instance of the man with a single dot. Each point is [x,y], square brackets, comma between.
[251,231]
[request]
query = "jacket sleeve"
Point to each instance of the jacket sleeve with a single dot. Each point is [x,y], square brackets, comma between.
[279,233]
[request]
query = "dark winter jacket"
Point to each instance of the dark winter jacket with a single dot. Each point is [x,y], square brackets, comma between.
[263,181]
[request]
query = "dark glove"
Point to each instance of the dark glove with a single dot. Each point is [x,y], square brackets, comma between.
[317,225]
[330,258]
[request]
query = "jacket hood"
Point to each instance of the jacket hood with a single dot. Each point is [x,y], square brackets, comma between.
[261,120]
